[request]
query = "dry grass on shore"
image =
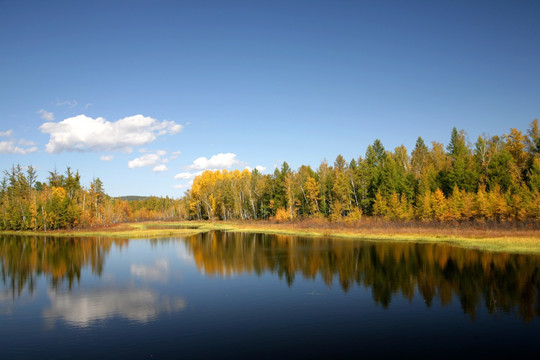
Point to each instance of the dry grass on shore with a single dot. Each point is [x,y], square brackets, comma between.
[492,236]
[125,230]
[500,237]
[488,229]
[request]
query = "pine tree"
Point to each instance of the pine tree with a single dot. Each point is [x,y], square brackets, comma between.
[481,203]
[379,205]
[424,209]
[439,205]
[534,175]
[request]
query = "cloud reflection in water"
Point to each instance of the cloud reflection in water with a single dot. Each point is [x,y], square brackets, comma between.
[82,309]
[158,272]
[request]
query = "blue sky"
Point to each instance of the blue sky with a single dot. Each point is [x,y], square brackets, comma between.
[145,94]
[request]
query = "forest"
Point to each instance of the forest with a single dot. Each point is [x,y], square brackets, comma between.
[63,203]
[497,178]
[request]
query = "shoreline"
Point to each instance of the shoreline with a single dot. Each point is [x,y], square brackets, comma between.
[513,241]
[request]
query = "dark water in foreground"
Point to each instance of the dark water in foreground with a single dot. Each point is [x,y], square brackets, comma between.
[220,295]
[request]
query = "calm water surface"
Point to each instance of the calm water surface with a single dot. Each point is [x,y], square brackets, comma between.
[233,295]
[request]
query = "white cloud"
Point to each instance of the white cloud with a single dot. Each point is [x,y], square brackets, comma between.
[25,142]
[170,127]
[160,168]
[219,161]
[187,175]
[70,104]
[6,133]
[83,133]
[151,159]
[182,186]
[9,147]
[259,168]
[106,157]
[46,115]
[155,159]
[216,162]
[175,155]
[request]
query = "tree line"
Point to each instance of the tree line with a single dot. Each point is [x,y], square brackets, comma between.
[63,203]
[496,178]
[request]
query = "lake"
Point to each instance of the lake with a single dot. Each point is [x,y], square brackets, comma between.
[238,295]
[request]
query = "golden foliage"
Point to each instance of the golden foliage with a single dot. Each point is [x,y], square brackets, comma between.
[282,215]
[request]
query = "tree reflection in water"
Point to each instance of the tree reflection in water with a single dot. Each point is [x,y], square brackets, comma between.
[23,259]
[437,272]
[502,281]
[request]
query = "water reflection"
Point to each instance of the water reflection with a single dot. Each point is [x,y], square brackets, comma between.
[24,259]
[437,272]
[157,272]
[500,281]
[82,309]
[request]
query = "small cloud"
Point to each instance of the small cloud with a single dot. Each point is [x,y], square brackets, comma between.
[9,147]
[187,175]
[175,155]
[182,186]
[219,161]
[149,159]
[160,168]
[83,133]
[155,159]
[70,104]
[106,157]
[174,128]
[87,106]
[46,115]
[25,142]
[259,168]
[6,133]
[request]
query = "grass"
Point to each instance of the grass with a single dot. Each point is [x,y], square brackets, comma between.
[488,238]
[499,240]
[129,230]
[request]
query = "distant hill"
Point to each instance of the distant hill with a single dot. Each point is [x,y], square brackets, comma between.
[132,197]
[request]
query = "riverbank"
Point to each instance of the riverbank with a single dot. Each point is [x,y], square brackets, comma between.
[126,230]
[500,240]
[510,239]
